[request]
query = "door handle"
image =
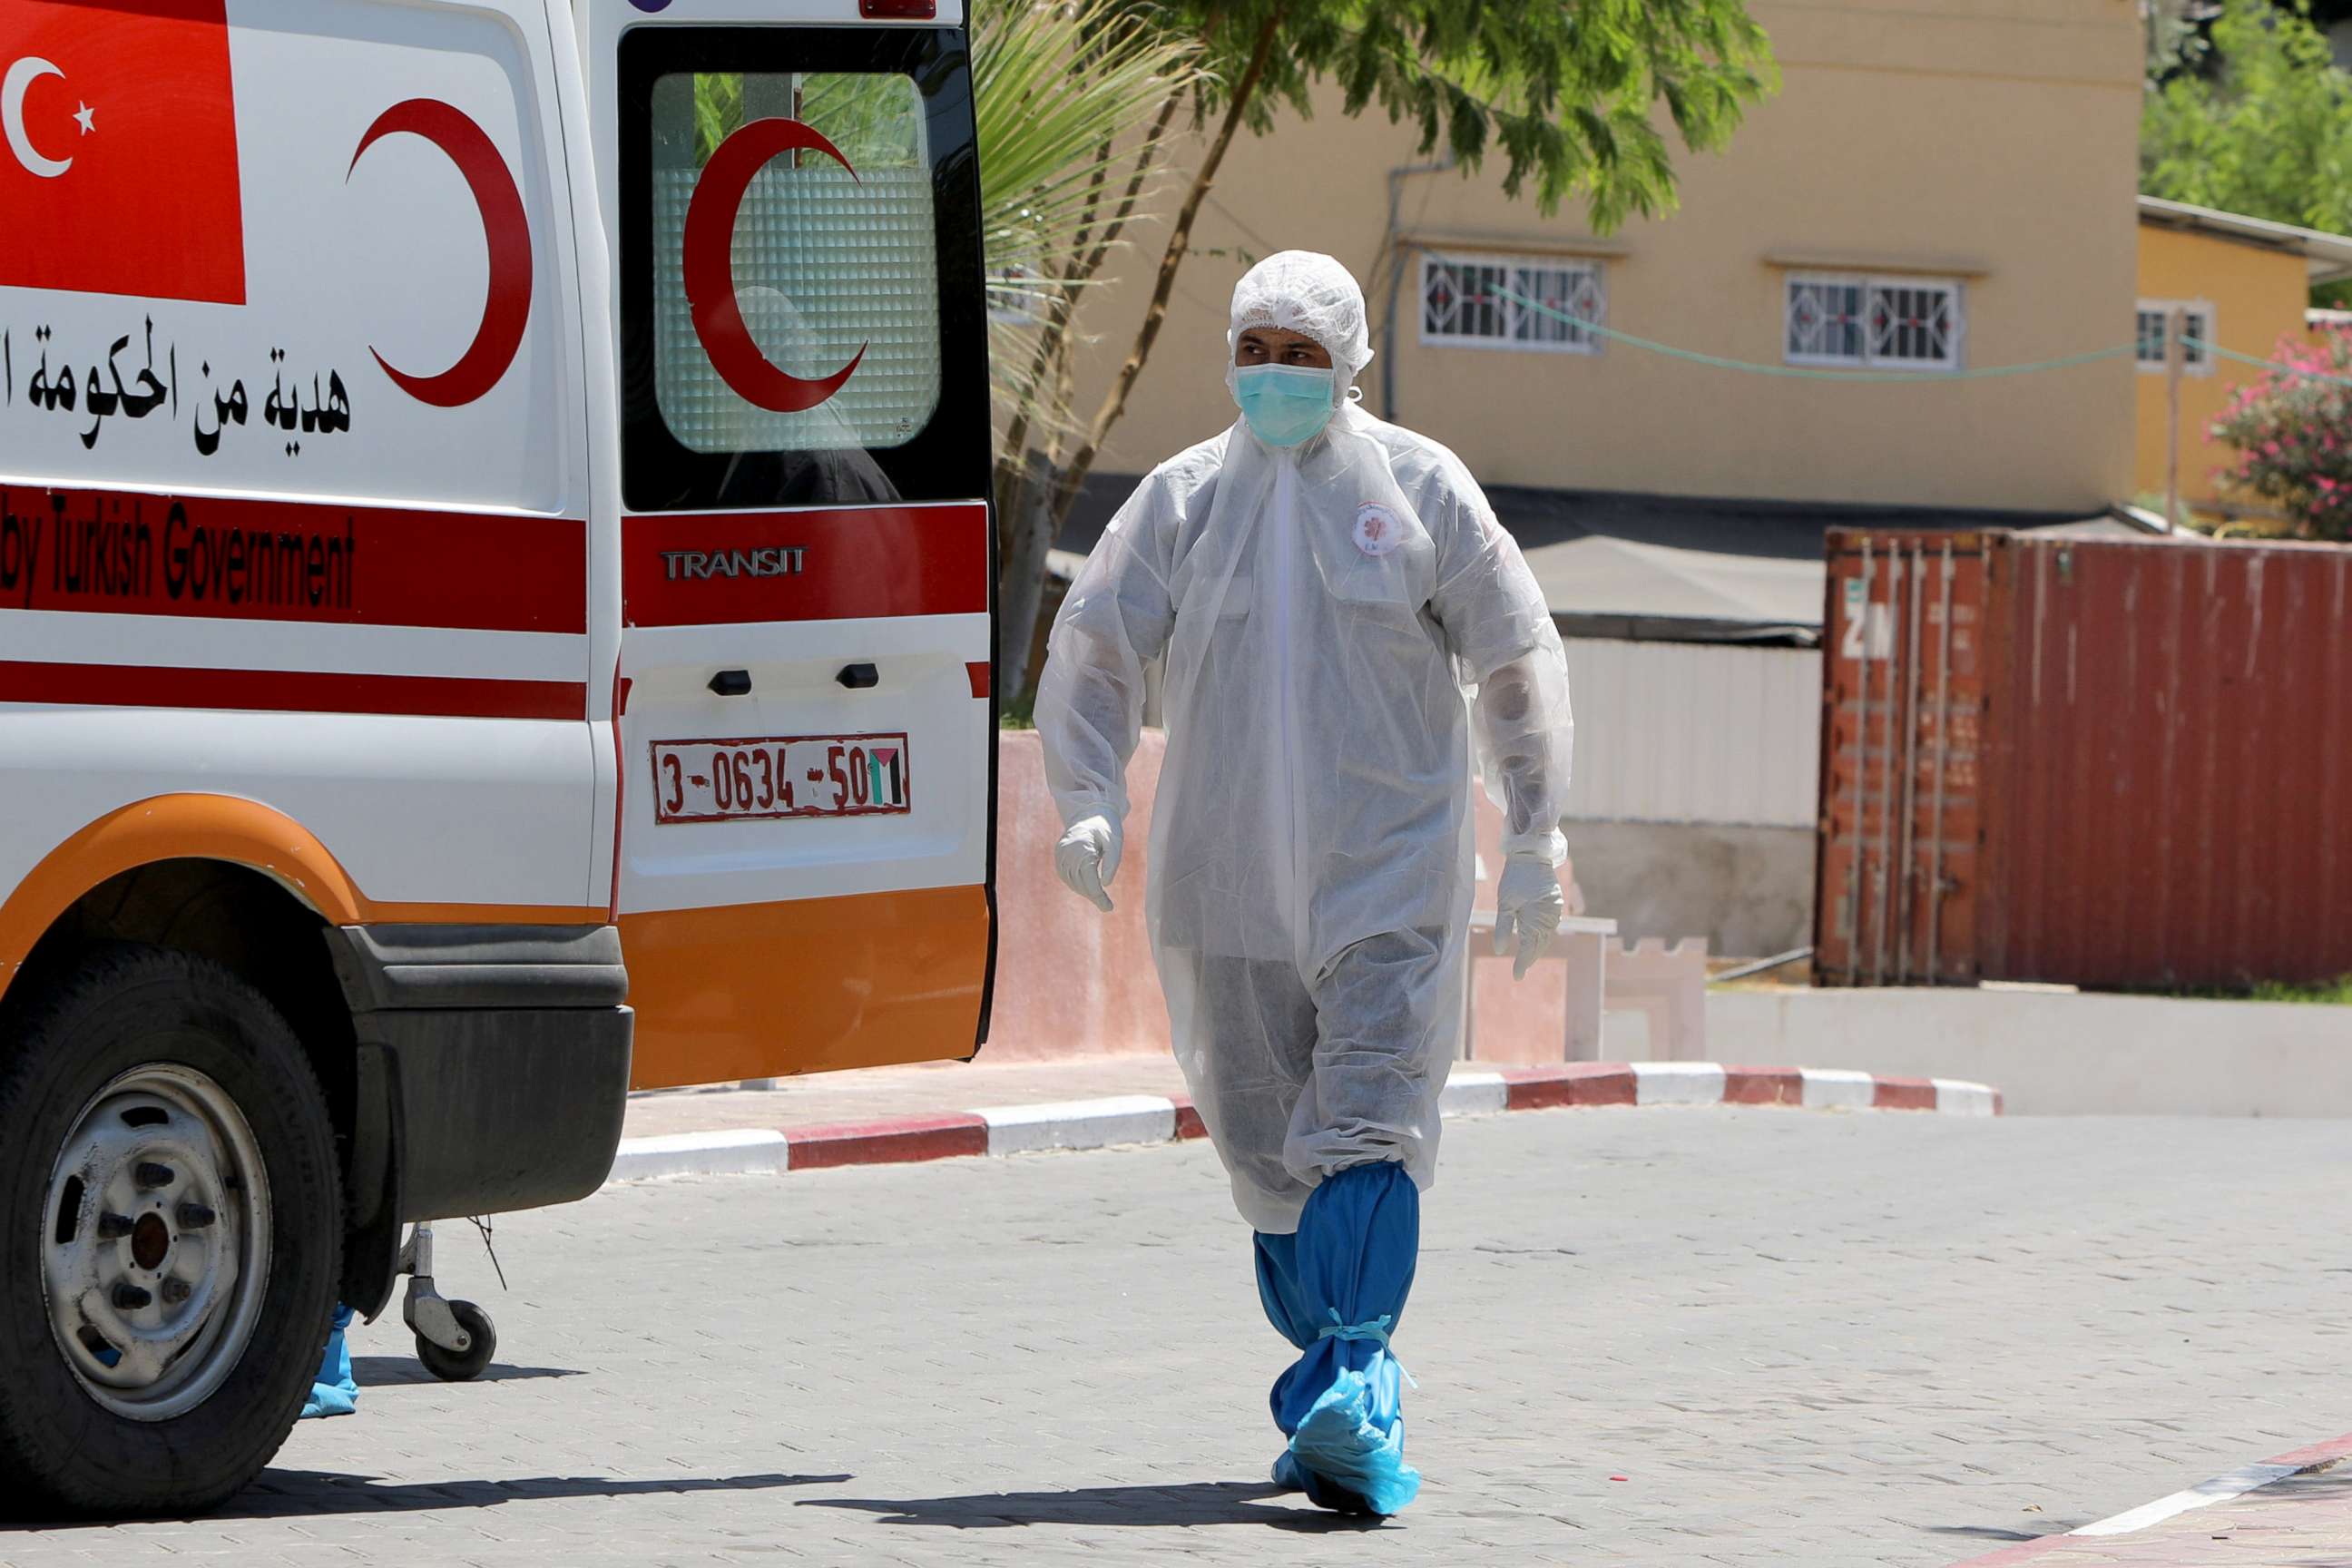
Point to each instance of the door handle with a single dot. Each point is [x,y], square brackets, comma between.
[859,677]
[731,683]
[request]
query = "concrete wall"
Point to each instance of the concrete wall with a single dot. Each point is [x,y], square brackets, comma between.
[1694,794]
[2258,296]
[2055,1053]
[1070,980]
[1994,140]
[1748,890]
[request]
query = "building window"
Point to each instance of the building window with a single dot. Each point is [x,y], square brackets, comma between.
[1894,324]
[2196,334]
[1499,302]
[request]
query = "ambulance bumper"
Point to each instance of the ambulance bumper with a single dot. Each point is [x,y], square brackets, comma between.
[494,1065]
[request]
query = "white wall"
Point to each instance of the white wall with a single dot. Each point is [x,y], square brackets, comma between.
[2054,1053]
[1685,732]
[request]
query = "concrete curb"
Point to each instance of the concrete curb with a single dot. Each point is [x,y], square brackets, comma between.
[1154,1119]
[2238,1483]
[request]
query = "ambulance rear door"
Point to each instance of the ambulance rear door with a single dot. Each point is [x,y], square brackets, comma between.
[806,730]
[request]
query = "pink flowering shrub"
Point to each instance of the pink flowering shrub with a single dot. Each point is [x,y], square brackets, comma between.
[2293,434]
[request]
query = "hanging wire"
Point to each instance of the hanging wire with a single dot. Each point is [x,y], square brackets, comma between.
[1876,377]
[1809,373]
[2280,367]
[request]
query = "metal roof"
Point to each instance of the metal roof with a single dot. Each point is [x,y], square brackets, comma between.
[2328,255]
[1689,569]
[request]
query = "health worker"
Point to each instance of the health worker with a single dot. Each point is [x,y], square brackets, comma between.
[1323,590]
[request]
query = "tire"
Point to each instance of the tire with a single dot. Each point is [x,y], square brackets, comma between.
[137,1065]
[462,1366]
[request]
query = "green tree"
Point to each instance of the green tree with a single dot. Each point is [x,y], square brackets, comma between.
[1578,98]
[2327,12]
[2173,36]
[2268,133]
[1060,90]
[1076,103]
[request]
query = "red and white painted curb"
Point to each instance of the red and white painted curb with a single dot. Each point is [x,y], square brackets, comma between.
[2226,1487]
[1157,1119]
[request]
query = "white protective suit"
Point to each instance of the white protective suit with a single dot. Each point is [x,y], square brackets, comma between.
[1321,610]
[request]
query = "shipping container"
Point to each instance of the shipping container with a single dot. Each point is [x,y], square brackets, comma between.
[2104,763]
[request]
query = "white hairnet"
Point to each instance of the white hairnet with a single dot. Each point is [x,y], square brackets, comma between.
[1305,291]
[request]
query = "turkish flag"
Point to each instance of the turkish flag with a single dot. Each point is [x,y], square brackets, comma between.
[118,174]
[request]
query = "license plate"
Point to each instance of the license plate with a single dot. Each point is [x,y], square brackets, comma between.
[791,775]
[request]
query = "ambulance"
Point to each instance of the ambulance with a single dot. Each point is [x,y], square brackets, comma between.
[495,611]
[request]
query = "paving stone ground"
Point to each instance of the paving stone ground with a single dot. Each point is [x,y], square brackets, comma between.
[1801,1337]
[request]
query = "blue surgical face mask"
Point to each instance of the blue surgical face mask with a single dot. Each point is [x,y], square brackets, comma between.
[1285,404]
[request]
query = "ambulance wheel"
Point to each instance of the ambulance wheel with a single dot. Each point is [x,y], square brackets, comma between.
[465,1366]
[168,1180]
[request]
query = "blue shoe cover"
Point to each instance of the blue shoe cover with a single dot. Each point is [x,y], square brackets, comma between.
[1286,1473]
[334,1392]
[1338,1443]
[328,1399]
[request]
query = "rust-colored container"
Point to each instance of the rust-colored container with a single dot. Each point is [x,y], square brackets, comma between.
[2100,761]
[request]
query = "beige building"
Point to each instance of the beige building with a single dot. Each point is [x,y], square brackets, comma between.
[1936,187]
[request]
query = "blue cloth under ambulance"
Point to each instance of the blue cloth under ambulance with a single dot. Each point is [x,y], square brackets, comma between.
[334,1392]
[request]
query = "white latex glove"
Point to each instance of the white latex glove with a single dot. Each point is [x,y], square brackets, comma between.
[1527,904]
[1087,858]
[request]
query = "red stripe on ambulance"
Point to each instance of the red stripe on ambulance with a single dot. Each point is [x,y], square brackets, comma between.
[100,551]
[820,564]
[290,691]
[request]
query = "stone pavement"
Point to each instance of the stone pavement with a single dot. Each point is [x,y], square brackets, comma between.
[1801,1338]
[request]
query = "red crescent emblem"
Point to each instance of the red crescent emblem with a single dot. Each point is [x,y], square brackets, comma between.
[504,226]
[709,268]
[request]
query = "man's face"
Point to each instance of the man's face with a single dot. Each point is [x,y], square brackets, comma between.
[1274,345]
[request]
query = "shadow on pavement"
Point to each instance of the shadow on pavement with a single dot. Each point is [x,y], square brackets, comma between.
[1195,1502]
[1994,1532]
[386,1370]
[284,1494]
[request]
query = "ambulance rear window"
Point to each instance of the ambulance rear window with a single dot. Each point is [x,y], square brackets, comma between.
[831,261]
[801,294]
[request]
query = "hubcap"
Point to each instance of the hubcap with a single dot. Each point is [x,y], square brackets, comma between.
[155,1244]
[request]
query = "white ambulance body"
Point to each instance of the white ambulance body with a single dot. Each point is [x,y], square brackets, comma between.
[493,558]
